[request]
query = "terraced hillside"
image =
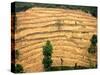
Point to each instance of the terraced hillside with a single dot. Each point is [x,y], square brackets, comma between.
[68,30]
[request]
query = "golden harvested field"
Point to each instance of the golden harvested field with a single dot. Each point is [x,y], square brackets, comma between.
[68,30]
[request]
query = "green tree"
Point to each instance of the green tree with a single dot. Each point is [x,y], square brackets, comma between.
[94,40]
[47,52]
[93,47]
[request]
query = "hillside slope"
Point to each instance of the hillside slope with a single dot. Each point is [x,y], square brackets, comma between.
[68,30]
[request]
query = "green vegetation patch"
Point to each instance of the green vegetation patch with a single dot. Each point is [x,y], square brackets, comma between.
[47,52]
[23,6]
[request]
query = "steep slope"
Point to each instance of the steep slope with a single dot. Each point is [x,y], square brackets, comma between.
[68,30]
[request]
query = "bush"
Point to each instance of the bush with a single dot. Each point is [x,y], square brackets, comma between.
[92,49]
[94,40]
[18,68]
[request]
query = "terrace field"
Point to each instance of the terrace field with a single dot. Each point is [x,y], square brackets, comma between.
[69,32]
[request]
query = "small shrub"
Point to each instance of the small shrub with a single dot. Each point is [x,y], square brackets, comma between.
[92,49]
[18,68]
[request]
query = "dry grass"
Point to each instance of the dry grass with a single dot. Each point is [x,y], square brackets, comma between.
[36,25]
